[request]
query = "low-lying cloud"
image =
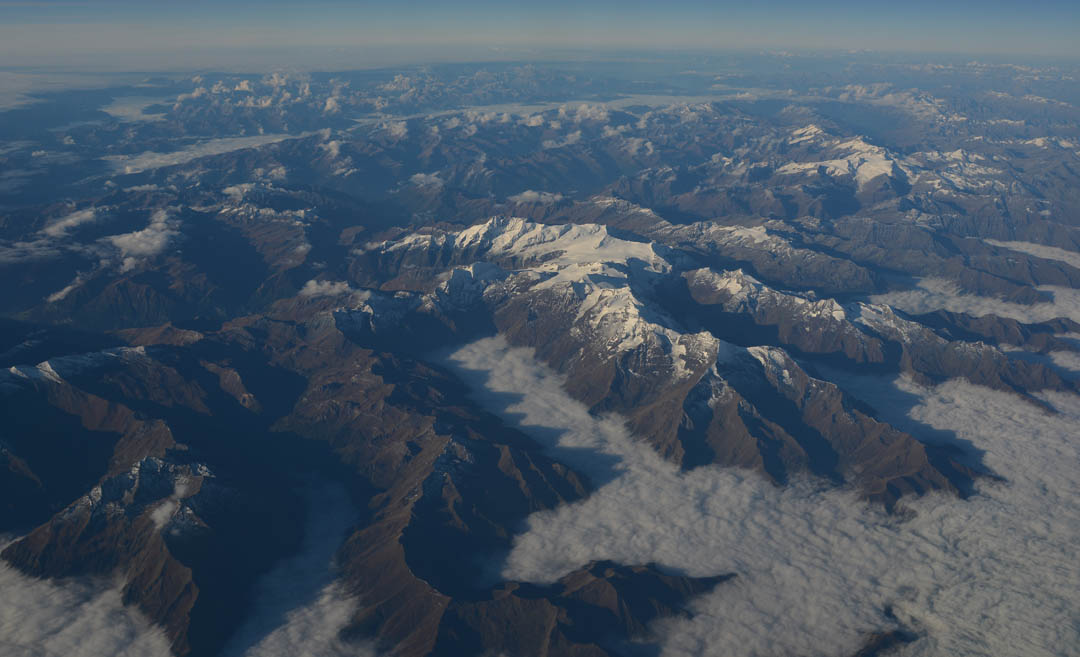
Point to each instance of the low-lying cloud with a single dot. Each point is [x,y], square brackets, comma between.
[568,140]
[530,196]
[426,180]
[71,618]
[299,608]
[129,164]
[937,293]
[1041,251]
[817,568]
[314,288]
[148,242]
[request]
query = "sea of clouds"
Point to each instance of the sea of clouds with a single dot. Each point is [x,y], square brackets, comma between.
[818,570]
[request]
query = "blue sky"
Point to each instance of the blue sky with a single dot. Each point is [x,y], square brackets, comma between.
[59,31]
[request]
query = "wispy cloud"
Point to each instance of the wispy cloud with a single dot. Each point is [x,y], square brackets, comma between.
[61,226]
[817,568]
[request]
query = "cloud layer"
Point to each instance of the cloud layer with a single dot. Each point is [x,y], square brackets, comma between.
[938,293]
[299,608]
[71,618]
[128,164]
[817,569]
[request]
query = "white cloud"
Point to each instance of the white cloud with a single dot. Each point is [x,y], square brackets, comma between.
[584,112]
[313,630]
[332,147]
[129,164]
[71,618]
[530,196]
[1041,251]
[66,290]
[426,180]
[397,129]
[299,609]
[314,288]
[534,121]
[276,80]
[198,92]
[61,226]
[937,293]
[133,108]
[148,242]
[993,575]
[568,140]
[25,251]
[635,144]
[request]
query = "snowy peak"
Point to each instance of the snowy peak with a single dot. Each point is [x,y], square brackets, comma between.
[738,291]
[853,157]
[564,244]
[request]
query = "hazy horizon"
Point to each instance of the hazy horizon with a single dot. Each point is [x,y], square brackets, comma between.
[327,34]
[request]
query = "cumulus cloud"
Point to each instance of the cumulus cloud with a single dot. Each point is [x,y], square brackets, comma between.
[637,144]
[314,288]
[584,112]
[332,147]
[533,121]
[936,293]
[71,618]
[817,568]
[570,139]
[61,226]
[299,609]
[397,129]
[148,242]
[530,196]
[426,180]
